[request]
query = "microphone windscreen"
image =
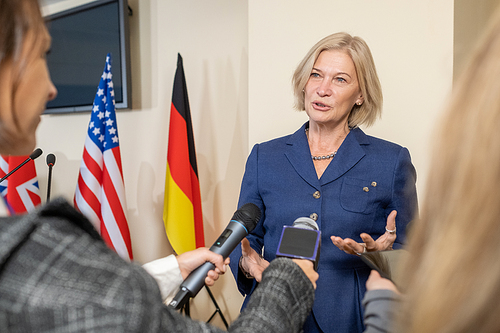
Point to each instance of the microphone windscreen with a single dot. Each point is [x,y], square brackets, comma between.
[248,215]
[36,153]
[305,223]
[51,159]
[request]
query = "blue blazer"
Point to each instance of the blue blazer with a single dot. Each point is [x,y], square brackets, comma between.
[364,182]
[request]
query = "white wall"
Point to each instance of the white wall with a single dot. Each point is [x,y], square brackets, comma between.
[238,58]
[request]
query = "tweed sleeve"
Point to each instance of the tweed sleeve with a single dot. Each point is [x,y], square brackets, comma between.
[280,303]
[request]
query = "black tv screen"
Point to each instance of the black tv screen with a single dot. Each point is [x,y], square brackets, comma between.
[81,39]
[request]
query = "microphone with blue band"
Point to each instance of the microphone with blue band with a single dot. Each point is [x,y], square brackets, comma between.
[302,240]
[242,223]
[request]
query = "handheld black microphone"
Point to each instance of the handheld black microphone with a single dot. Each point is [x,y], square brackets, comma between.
[243,222]
[302,240]
[36,153]
[51,160]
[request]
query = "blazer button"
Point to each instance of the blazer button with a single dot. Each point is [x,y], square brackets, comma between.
[314,216]
[316,195]
[366,189]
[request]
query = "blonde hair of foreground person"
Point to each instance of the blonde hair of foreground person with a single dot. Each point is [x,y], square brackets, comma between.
[453,276]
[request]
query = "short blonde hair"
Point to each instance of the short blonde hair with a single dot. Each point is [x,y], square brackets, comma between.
[369,84]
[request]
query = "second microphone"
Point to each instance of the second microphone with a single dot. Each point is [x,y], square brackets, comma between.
[302,240]
[242,223]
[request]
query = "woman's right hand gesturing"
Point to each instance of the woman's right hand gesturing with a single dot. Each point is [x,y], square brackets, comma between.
[251,263]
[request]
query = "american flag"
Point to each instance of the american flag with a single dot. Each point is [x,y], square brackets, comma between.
[20,191]
[100,193]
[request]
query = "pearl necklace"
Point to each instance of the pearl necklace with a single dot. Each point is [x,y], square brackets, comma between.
[324,157]
[317,158]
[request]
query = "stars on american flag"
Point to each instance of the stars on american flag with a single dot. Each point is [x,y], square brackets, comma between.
[100,192]
[102,128]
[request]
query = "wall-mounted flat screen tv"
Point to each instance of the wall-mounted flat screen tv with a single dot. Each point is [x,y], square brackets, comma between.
[81,39]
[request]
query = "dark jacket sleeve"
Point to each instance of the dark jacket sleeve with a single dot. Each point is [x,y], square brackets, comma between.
[249,193]
[379,310]
[404,196]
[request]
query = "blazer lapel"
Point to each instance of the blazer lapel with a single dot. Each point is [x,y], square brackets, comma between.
[298,153]
[348,155]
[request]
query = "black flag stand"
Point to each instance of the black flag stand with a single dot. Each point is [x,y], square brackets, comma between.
[217,309]
[185,309]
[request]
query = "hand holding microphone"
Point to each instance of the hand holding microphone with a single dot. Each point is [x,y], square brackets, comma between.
[243,222]
[189,261]
[257,264]
[307,267]
[301,242]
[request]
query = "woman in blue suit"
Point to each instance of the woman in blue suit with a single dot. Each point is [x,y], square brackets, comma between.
[352,184]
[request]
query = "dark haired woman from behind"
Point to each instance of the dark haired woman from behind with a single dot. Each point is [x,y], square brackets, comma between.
[56,273]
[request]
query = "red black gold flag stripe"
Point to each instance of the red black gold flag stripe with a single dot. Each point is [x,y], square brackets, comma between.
[182,213]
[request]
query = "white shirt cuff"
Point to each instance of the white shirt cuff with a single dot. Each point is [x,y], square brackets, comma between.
[167,274]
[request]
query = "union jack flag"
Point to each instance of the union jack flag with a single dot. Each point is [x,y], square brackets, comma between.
[100,193]
[20,191]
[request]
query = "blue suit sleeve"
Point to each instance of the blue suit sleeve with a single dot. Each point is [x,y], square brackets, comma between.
[404,196]
[249,192]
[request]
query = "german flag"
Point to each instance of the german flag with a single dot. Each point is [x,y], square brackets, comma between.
[182,213]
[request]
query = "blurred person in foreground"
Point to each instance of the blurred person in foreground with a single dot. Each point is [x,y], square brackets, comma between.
[329,170]
[56,273]
[451,281]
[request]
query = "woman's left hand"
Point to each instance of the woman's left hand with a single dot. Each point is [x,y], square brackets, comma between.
[376,282]
[382,243]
